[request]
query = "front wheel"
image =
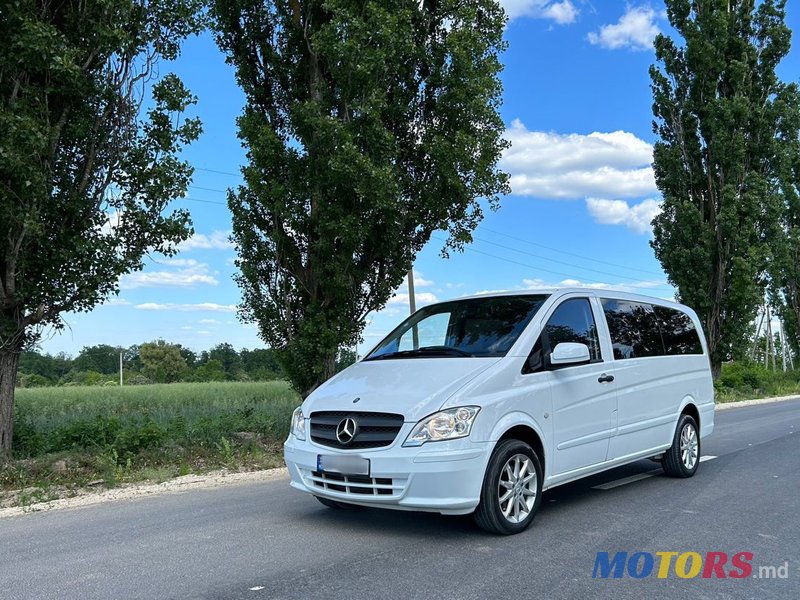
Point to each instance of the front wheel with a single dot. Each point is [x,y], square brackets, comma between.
[683,457]
[512,489]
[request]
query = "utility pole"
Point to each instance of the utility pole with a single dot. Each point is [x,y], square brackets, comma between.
[412,305]
[120,367]
[758,334]
[783,344]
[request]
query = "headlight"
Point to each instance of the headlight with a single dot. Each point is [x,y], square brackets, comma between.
[448,424]
[298,429]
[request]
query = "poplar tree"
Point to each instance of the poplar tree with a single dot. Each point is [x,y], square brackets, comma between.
[724,124]
[369,125]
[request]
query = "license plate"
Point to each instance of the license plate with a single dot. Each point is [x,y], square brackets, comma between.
[345,465]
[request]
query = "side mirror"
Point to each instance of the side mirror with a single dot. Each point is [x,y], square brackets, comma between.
[569,353]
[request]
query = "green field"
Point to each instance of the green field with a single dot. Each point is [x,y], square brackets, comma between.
[68,437]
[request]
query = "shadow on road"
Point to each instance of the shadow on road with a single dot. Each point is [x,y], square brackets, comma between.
[408,523]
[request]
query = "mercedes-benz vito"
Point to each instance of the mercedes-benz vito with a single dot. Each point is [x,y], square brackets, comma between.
[478,405]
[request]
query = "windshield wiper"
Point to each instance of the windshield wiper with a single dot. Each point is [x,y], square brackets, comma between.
[424,352]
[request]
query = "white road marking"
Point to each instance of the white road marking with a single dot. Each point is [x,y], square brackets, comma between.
[638,477]
[625,480]
[258,588]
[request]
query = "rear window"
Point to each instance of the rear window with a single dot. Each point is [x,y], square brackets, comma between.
[638,329]
[678,331]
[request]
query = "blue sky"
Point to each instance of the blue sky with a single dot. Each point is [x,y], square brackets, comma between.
[577,108]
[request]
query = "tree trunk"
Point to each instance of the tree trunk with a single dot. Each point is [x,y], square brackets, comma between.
[9,361]
[716,369]
[329,371]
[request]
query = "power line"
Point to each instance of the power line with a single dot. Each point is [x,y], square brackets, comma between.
[218,172]
[205,189]
[610,264]
[537,268]
[561,262]
[204,201]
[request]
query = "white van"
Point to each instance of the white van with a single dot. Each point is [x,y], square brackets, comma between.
[482,403]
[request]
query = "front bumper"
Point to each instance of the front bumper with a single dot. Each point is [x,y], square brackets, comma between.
[444,477]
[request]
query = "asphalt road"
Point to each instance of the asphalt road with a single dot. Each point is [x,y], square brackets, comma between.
[268,541]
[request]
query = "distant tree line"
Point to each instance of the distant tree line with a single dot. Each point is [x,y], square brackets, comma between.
[153,362]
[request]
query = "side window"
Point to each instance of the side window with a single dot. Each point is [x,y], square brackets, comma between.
[680,334]
[634,329]
[572,321]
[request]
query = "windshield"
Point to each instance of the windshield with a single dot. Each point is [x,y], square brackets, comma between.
[472,327]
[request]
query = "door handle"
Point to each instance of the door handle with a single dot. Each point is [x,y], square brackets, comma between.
[605,378]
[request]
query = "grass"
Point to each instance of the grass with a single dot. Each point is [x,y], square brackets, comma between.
[69,438]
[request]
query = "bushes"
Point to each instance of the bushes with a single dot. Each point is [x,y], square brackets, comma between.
[131,420]
[742,380]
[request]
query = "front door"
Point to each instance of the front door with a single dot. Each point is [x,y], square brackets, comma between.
[584,396]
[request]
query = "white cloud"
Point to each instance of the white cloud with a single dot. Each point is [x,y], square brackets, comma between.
[636,29]
[419,282]
[218,240]
[636,217]
[562,12]
[178,262]
[571,166]
[201,307]
[183,273]
[633,286]
[117,301]
[422,298]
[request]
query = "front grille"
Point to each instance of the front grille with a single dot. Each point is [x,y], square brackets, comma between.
[375,430]
[353,484]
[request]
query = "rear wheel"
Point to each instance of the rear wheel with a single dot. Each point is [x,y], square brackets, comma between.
[336,504]
[683,457]
[512,489]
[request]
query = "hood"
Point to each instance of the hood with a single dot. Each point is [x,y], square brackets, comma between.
[413,387]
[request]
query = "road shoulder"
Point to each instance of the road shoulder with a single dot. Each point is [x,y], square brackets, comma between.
[178,485]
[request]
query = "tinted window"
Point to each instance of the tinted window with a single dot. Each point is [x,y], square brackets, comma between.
[473,327]
[634,329]
[573,321]
[678,330]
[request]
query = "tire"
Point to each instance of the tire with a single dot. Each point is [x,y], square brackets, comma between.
[524,494]
[683,457]
[336,504]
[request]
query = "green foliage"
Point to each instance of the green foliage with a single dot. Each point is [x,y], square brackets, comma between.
[29,381]
[743,380]
[345,358]
[101,358]
[50,367]
[134,420]
[162,362]
[725,124]
[85,378]
[37,370]
[368,126]
[226,355]
[86,176]
[212,370]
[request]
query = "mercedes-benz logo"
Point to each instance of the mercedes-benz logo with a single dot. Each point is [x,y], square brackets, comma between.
[346,430]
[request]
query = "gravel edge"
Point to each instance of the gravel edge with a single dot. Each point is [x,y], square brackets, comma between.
[184,483]
[741,403]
